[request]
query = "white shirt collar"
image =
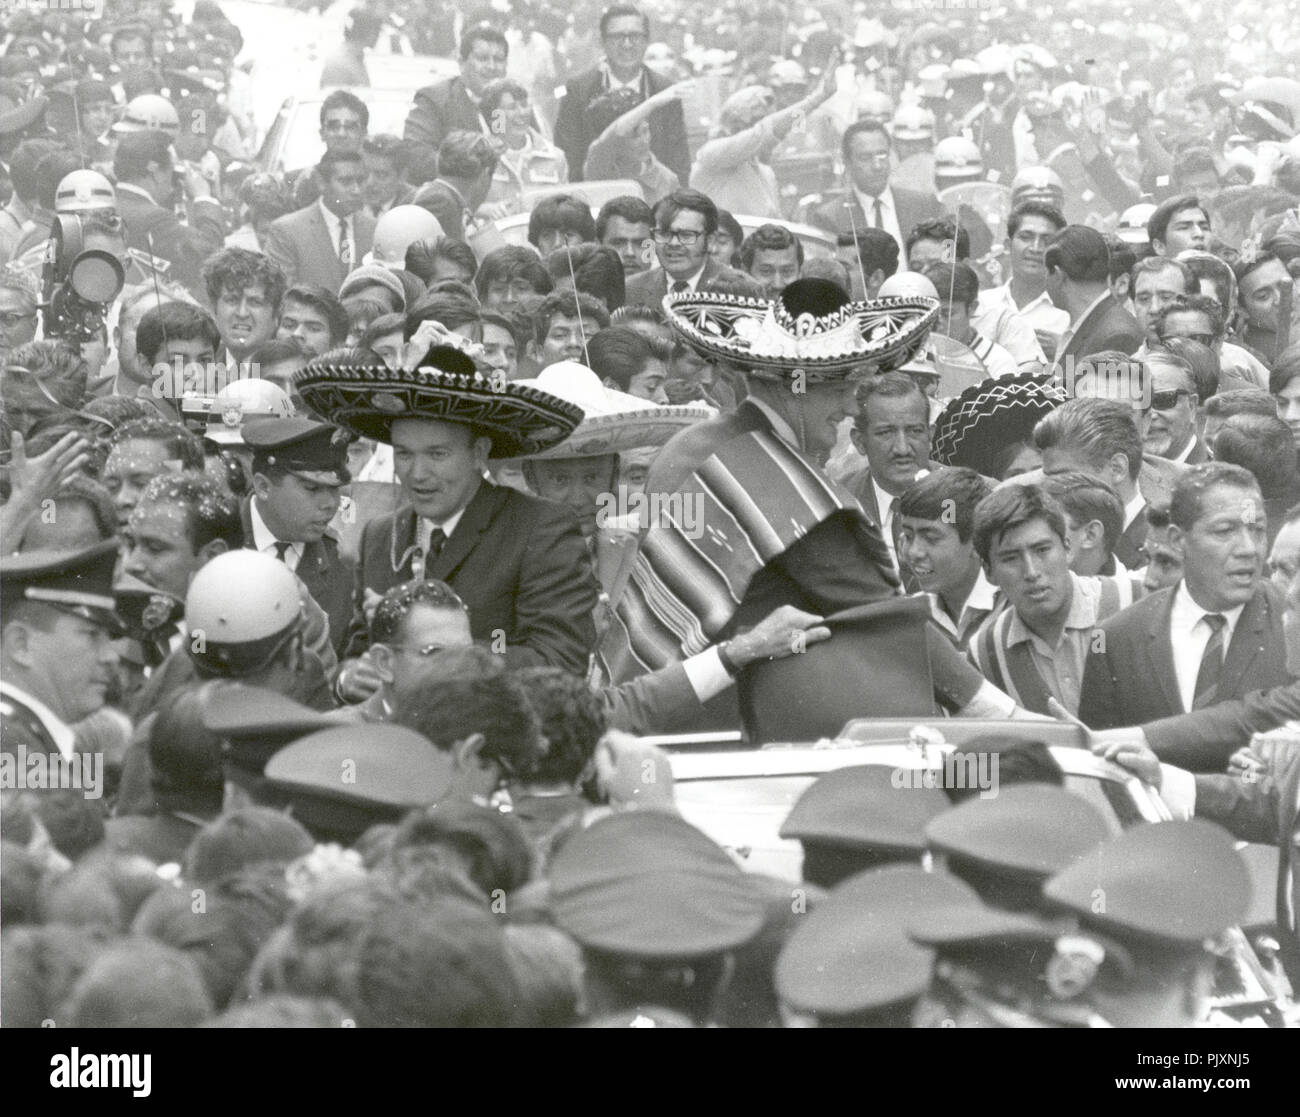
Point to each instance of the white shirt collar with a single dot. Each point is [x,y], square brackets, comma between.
[1133,508]
[131,188]
[264,539]
[692,283]
[1003,295]
[60,732]
[333,221]
[1187,450]
[868,201]
[1185,615]
[884,500]
[424,528]
[613,83]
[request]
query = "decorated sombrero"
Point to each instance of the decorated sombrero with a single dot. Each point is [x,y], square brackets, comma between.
[811,327]
[446,387]
[977,426]
[613,422]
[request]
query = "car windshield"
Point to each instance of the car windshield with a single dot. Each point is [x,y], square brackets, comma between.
[302,145]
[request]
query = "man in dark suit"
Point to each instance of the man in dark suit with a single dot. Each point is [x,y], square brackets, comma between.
[685,222]
[143,167]
[869,201]
[452,104]
[625,33]
[466,163]
[299,468]
[323,242]
[1169,413]
[1078,274]
[56,646]
[1217,635]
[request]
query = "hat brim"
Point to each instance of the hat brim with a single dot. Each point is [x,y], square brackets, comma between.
[366,399]
[972,922]
[759,335]
[986,418]
[617,434]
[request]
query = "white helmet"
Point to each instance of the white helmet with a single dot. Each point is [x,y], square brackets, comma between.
[1132,228]
[912,122]
[957,157]
[84,192]
[907,285]
[240,609]
[247,398]
[150,112]
[1040,183]
[397,230]
[873,104]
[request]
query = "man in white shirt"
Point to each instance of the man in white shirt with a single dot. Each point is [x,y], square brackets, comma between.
[1023,300]
[56,646]
[958,288]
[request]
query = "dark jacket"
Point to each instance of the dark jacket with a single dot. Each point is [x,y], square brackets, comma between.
[328,576]
[518,562]
[155,229]
[1204,740]
[574,132]
[301,244]
[648,288]
[1106,326]
[1129,678]
[443,107]
[842,214]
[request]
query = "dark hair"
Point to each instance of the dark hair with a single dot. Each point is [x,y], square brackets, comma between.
[1188,494]
[568,304]
[1201,304]
[629,208]
[513,261]
[1122,256]
[877,250]
[422,257]
[451,308]
[477,697]
[396,605]
[87,491]
[1081,253]
[1244,401]
[386,146]
[466,155]
[1098,428]
[134,152]
[130,31]
[859,128]
[174,321]
[941,229]
[342,99]
[670,205]
[728,224]
[1085,499]
[560,213]
[572,721]
[1008,508]
[1243,268]
[382,326]
[517,326]
[888,385]
[1034,208]
[490,99]
[957,279]
[1153,265]
[620,11]
[1158,222]
[1264,445]
[492,843]
[1193,161]
[618,353]
[595,269]
[1206,265]
[234,269]
[180,443]
[949,494]
[769,238]
[1201,360]
[325,168]
[139,983]
[361,310]
[324,302]
[209,513]
[23,164]
[242,838]
[481,32]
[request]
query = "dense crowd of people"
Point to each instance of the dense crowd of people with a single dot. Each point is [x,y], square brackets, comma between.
[711,369]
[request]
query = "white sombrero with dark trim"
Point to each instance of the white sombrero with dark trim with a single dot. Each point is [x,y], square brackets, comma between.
[977,426]
[446,387]
[613,422]
[810,328]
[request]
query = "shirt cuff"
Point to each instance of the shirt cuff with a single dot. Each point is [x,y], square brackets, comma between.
[1178,790]
[989,702]
[706,674]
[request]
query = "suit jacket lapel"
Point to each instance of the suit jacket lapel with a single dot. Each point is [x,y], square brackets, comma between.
[1160,649]
[478,516]
[1248,641]
[400,537]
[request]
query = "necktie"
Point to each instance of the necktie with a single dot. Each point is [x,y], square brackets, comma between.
[877,216]
[282,549]
[437,537]
[1207,678]
[895,533]
[345,244]
[679,286]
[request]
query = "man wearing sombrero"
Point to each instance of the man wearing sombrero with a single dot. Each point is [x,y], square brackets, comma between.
[518,562]
[775,530]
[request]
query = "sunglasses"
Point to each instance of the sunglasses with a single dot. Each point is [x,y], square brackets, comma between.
[1166,401]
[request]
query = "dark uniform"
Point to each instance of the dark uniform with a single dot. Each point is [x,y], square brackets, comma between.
[318,453]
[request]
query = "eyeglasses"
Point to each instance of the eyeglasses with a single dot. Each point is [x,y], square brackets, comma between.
[879,158]
[1166,401]
[422,650]
[625,36]
[1205,339]
[685,237]
[343,126]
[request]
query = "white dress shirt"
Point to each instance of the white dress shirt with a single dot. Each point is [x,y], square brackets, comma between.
[1189,634]
[1133,509]
[424,529]
[334,223]
[885,503]
[692,283]
[264,539]
[888,215]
